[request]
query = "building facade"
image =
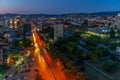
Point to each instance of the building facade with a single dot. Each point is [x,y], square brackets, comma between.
[118,51]
[27,29]
[58,30]
[118,21]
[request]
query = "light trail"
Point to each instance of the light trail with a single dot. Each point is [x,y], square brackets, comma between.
[47,67]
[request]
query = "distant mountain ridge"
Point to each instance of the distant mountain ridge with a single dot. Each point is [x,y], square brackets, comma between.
[113,13]
[99,13]
[107,13]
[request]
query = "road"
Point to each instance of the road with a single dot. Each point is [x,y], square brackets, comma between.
[46,66]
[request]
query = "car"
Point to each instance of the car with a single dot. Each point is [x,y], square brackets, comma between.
[11,75]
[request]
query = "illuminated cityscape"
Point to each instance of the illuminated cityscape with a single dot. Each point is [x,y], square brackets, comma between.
[59,40]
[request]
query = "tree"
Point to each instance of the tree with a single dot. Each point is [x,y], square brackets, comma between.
[1,26]
[69,64]
[109,24]
[113,57]
[107,66]
[15,43]
[26,42]
[77,53]
[49,30]
[66,59]
[73,70]
[1,74]
[85,55]
[98,52]
[75,37]
[93,39]
[82,68]
[81,76]
[94,58]
[115,65]
[71,47]
[5,66]
[85,23]
[61,44]
[21,44]
[79,61]
[113,46]
[77,34]
[16,58]
[51,46]
[112,33]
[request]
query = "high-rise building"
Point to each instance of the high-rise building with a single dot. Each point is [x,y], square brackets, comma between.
[118,21]
[15,22]
[27,29]
[19,22]
[58,30]
[7,23]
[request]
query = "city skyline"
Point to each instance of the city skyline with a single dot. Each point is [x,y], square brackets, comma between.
[58,6]
[59,39]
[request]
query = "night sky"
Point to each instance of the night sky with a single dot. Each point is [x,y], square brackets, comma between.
[58,6]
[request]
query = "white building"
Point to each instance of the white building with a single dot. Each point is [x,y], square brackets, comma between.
[118,51]
[7,23]
[58,30]
[118,21]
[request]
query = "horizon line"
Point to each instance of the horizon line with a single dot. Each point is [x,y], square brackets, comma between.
[58,13]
